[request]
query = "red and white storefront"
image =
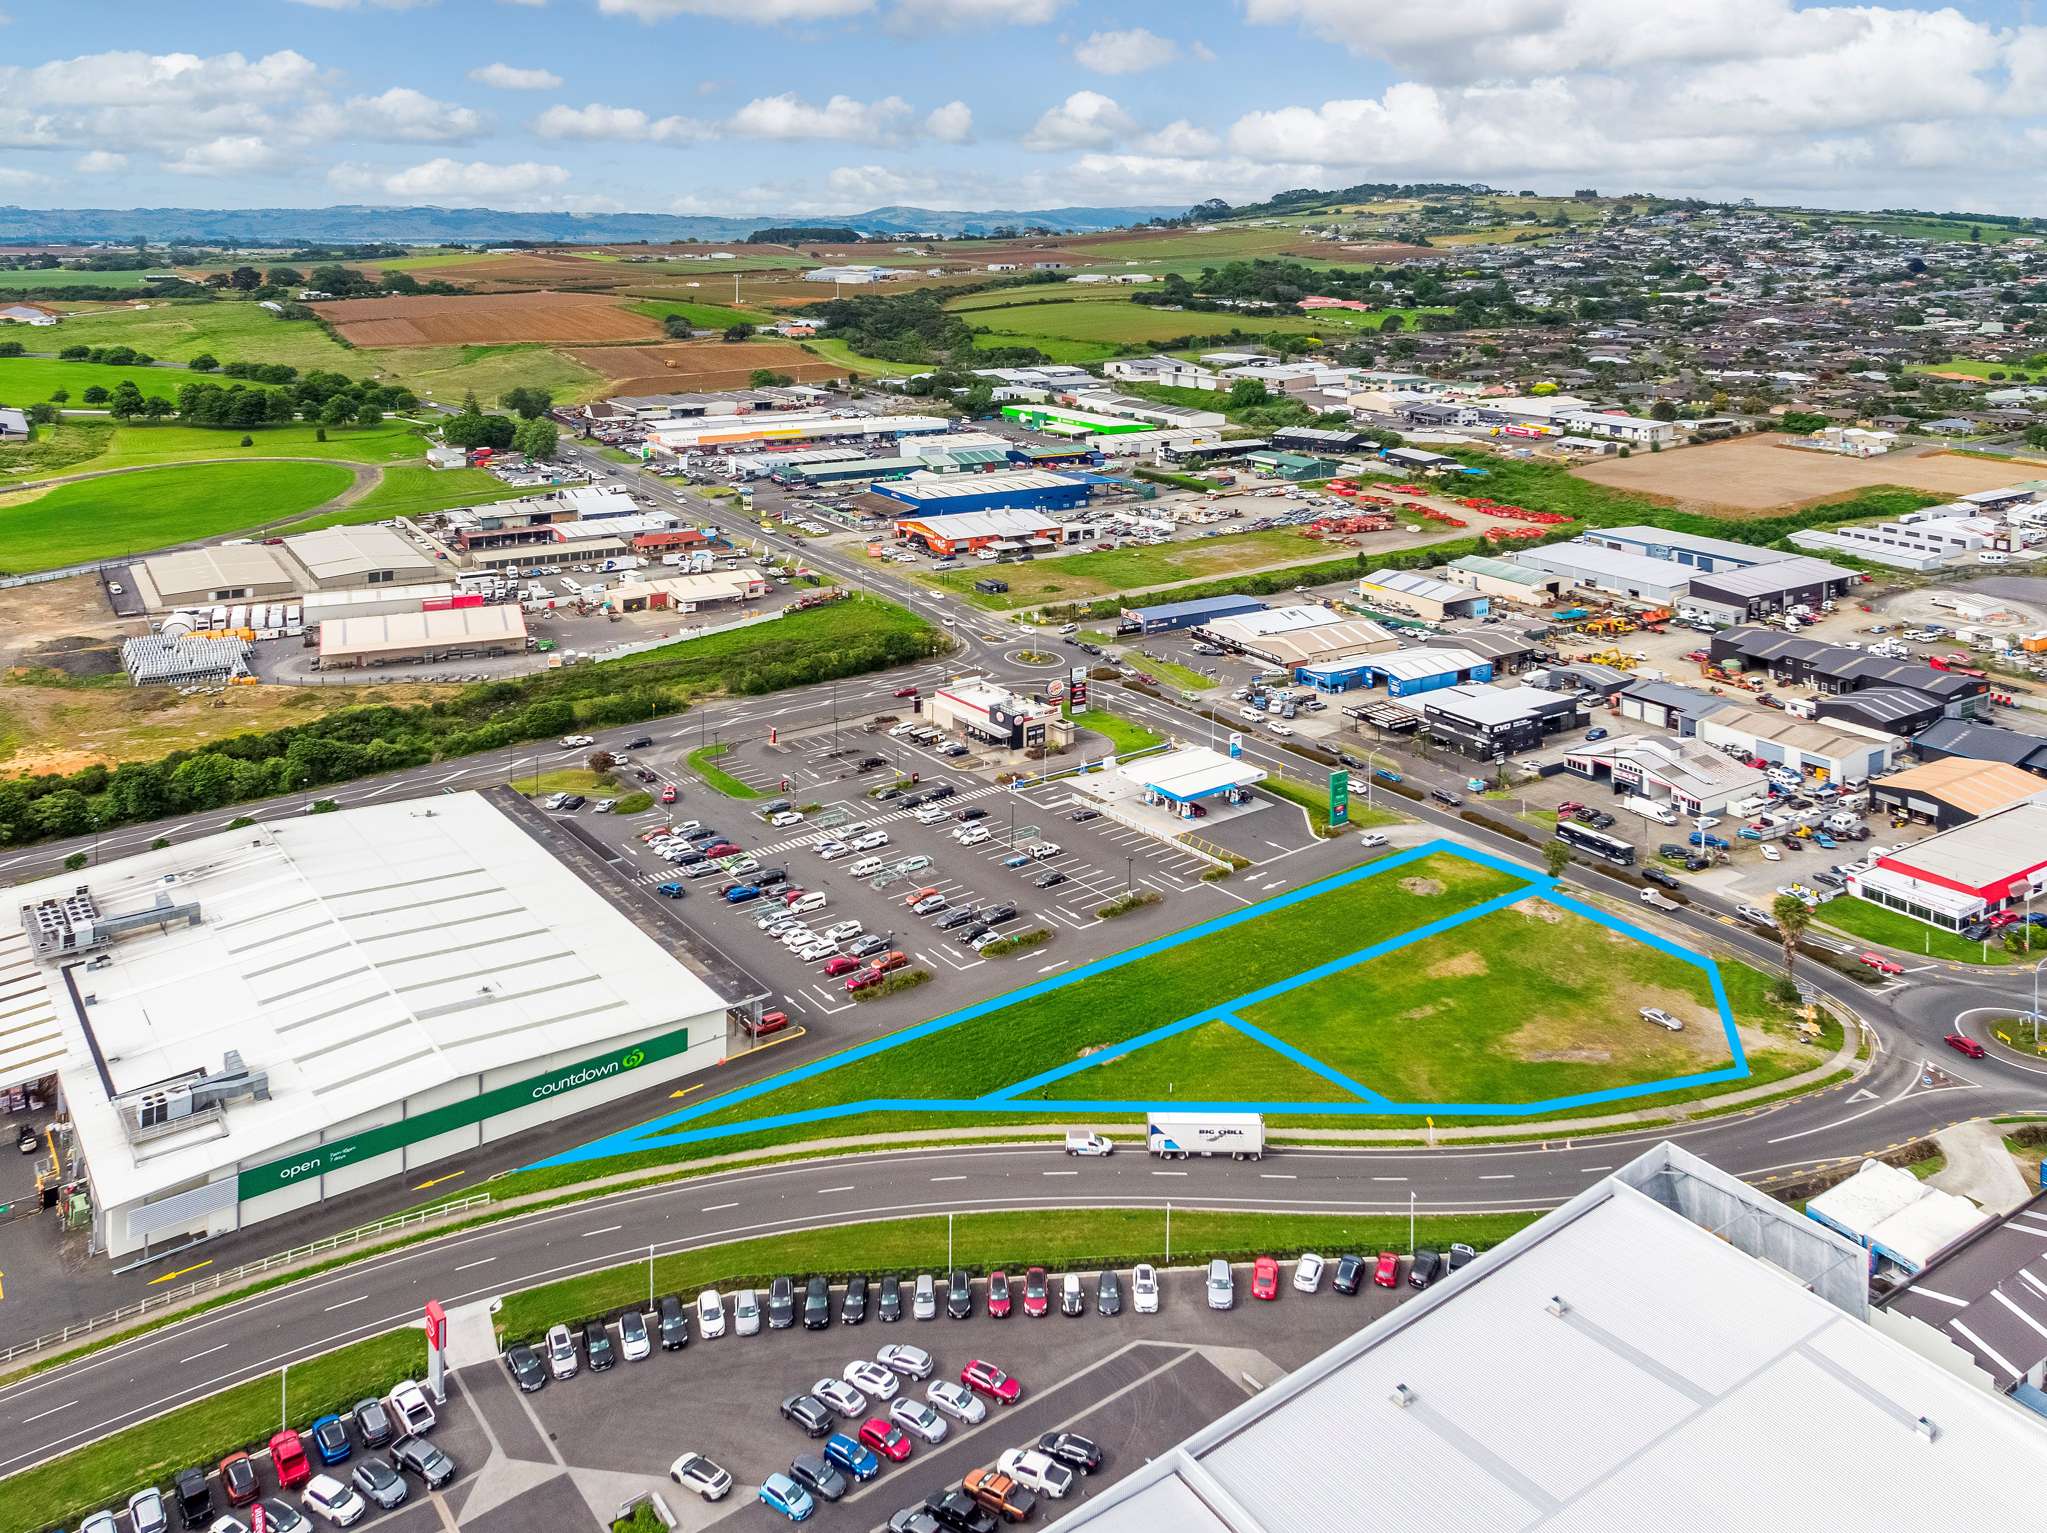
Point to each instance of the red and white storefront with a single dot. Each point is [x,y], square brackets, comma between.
[1962,875]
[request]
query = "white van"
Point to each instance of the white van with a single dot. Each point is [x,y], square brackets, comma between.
[803,905]
[1650,809]
[1842,822]
[865,867]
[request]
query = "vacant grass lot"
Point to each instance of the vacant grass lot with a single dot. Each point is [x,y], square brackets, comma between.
[394,441]
[229,331]
[413,490]
[1212,1062]
[18,281]
[127,514]
[1073,577]
[31,380]
[448,372]
[1113,320]
[104,1474]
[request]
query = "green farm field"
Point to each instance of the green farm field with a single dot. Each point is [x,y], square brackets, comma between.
[705,316]
[102,445]
[31,380]
[414,490]
[1116,321]
[20,281]
[126,514]
[1071,577]
[227,331]
[448,372]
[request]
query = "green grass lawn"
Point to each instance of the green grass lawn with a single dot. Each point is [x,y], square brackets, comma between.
[1074,577]
[1080,1238]
[705,316]
[562,780]
[415,490]
[1124,735]
[19,281]
[1314,797]
[1874,923]
[1193,1065]
[127,514]
[1974,367]
[838,351]
[448,372]
[1105,318]
[1171,672]
[52,450]
[31,380]
[703,761]
[393,441]
[230,331]
[64,1490]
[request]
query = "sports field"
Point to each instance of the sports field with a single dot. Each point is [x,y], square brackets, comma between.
[125,514]
[1436,981]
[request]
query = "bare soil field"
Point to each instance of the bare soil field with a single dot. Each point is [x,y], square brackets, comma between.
[485,320]
[700,365]
[1755,474]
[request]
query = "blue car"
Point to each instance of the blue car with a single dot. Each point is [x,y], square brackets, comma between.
[672,891]
[1707,838]
[855,1458]
[330,1440]
[787,1497]
[1018,861]
[1595,733]
[739,894]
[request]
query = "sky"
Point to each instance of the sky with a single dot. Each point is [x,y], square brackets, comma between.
[820,107]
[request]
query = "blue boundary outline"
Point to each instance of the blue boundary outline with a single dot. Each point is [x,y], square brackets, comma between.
[671,1128]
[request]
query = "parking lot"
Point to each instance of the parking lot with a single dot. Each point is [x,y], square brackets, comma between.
[1134,1384]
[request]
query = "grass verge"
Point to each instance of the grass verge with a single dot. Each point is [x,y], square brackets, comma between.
[1874,923]
[1124,735]
[703,761]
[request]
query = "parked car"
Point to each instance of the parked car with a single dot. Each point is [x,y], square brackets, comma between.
[910,1362]
[956,1400]
[193,1497]
[1071,1449]
[875,1380]
[238,1480]
[1350,1272]
[695,1473]
[597,1345]
[1386,1274]
[330,1500]
[959,1294]
[819,1476]
[1144,1289]
[853,1303]
[1072,1300]
[1036,1298]
[1265,1278]
[330,1439]
[851,1457]
[781,1494]
[1109,1293]
[147,1512]
[415,1455]
[918,1419]
[524,1364]
[288,1459]
[1037,1471]
[378,1483]
[710,1314]
[888,1303]
[781,1304]
[279,1515]
[1222,1285]
[1308,1273]
[886,1439]
[1426,1267]
[632,1336]
[673,1325]
[809,1413]
[987,1379]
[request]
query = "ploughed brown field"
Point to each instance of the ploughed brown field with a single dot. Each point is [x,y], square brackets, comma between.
[1761,475]
[485,320]
[689,366]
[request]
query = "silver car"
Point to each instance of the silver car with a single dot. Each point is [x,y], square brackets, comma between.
[1222,1285]
[378,1483]
[925,1305]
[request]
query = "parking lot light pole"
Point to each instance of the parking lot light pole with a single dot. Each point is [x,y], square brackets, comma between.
[1127,862]
[1169,1234]
[948,1242]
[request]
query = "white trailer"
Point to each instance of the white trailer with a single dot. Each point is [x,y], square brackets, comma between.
[1175,1136]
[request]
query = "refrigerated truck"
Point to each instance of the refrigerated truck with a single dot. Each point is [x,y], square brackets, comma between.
[1175,1136]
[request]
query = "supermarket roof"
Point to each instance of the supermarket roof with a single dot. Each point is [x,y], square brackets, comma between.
[1719,1366]
[359,957]
[1974,787]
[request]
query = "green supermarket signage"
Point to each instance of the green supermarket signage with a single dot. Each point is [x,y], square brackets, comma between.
[1339,798]
[321,1159]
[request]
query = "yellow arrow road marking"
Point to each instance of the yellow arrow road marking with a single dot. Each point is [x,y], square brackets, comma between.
[180,1272]
[436,1181]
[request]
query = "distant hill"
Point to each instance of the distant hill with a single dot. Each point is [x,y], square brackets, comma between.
[357,224]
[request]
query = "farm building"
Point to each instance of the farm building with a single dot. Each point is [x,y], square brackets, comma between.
[1593,567]
[1488,723]
[1023,489]
[1187,614]
[1423,596]
[1955,791]
[961,532]
[393,638]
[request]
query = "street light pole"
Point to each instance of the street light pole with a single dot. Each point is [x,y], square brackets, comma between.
[2036,1001]
[1127,863]
[1169,1234]
[1410,1221]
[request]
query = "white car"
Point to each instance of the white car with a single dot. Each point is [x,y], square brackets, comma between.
[695,1472]
[870,841]
[632,1336]
[844,931]
[742,864]
[932,814]
[1308,1273]
[1044,851]
[1771,854]
[917,1418]
[1277,728]
[832,851]
[330,1500]
[409,1404]
[1144,1289]
[871,1379]
[911,1362]
[973,835]
[840,1396]
[561,1352]
[746,1313]
[1661,1018]
[576,742]
[785,819]
[913,864]
[1371,838]
[816,951]
[1036,1471]
[710,1314]
[956,1400]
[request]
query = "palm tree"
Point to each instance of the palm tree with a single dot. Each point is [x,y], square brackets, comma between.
[1793,917]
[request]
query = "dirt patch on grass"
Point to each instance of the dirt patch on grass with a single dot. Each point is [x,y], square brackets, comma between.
[1421,886]
[485,320]
[1760,474]
[1463,966]
[1540,910]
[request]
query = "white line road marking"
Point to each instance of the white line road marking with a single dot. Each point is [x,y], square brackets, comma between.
[826,1191]
[484,1263]
[1048,968]
[1498,1176]
[1059,1173]
[50,1412]
[1595,1168]
[605,1231]
[1277,1176]
[1169,1173]
[345,1303]
[948,1179]
[1389,1178]
[717,1207]
[207,1353]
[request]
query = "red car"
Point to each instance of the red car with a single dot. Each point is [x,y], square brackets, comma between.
[1881,964]
[719,849]
[906,691]
[864,979]
[885,1438]
[793,893]
[1999,920]
[288,1458]
[1037,1294]
[238,1480]
[998,1295]
[1265,1278]
[987,1379]
[1387,1273]
[668,793]
[1964,1045]
[840,964]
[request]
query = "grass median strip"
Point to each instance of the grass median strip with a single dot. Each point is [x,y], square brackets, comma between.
[703,761]
[106,1472]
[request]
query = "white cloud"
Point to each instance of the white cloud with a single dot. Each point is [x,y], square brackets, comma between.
[841,119]
[135,100]
[972,15]
[1179,138]
[765,13]
[865,186]
[622,124]
[478,181]
[100,162]
[511,77]
[1129,52]
[245,155]
[400,114]
[952,123]
[1083,120]
[21,178]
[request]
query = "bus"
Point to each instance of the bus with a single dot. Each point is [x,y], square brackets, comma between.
[1594,843]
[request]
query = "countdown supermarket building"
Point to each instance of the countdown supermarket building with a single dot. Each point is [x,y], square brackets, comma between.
[259,1019]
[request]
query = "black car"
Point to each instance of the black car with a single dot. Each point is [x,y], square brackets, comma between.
[1670,851]
[869,763]
[573,802]
[888,1303]
[674,1323]
[817,1305]
[1658,876]
[956,1510]
[378,1482]
[767,877]
[1445,796]
[914,1519]
[597,1344]
[816,1476]
[525,1367]
[1072,1450]
[809,1413]
[1048,878]
[639,743]
[995,915]
[1082,816]
[1975,932]
[888,794]
[1350,1272]
[959,1294]
[1461,1255]
[972,813]
[416,1455]
[943,790]
[1109,1293]
[644,775]
[853,1307]
[373,1423]
[1348,759]
[781,1304]
[1426,1267]
[953,918]
[193,1496]
[973,933]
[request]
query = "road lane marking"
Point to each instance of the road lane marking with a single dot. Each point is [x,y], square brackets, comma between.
[1059,1173]
[484,1263]
[1169,1173]
[1277,1176]
[345,1303]
[207,1353]
[30,1420]
[1389,1178]
[823,1191]
[608,1229]
[1498,1176]
[717,1207]
[948,1179]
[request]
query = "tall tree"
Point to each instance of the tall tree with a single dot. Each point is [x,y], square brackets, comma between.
[1793,916]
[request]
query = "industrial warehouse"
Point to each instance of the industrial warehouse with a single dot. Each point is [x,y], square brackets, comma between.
[390,638]
[250,1022]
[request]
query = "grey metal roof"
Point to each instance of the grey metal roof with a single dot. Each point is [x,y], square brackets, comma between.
[1662,537]
[1493,643]
[1795,574]
[1669,694]
[1988,1295]
[1981,742]
[1884,705]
